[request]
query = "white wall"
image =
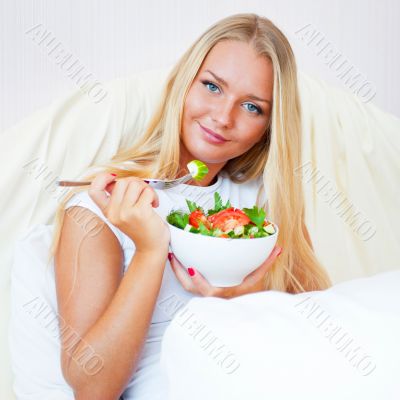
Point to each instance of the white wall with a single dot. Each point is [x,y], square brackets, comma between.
[116,38]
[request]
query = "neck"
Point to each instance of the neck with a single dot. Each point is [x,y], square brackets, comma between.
[208,180]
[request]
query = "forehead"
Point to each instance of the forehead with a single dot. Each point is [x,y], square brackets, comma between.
[238,64]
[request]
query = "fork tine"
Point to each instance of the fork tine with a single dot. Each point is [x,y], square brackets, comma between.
[175,182]
[185,178]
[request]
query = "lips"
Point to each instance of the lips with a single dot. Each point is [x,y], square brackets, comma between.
[212,133]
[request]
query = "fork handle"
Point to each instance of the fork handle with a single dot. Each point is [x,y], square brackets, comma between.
[73,183]
[79,183]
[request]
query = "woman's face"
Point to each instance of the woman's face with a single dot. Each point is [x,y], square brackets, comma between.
[222,99]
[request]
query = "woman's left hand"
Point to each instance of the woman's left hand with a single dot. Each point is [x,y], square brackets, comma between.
[194,282]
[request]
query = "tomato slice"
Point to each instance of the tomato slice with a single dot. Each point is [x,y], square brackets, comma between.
[229,219]
[212,217]
[196,217]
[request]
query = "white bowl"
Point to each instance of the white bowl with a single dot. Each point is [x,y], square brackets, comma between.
[223,262]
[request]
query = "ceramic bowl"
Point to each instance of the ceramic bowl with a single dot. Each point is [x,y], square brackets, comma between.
[223,262]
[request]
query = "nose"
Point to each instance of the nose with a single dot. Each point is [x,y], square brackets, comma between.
[223,115]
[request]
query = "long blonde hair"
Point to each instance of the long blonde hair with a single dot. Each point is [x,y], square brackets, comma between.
[275,157]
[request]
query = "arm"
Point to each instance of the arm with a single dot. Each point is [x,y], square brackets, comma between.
[109,313]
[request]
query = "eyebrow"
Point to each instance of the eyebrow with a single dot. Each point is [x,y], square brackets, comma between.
[224,82]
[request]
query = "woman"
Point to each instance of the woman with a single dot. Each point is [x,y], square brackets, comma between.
[237,80]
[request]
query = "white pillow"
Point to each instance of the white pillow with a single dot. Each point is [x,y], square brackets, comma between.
[342,343]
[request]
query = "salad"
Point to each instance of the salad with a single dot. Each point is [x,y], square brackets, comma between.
[223,221]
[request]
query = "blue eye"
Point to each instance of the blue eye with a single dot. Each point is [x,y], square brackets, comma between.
[257,109]
[206,83]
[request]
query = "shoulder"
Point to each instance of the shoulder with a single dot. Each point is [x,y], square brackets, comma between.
[83,199]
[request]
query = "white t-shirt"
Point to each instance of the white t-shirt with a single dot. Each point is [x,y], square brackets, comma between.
[34,331]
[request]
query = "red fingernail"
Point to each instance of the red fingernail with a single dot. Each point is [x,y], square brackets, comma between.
[169,257]
[191,271]
[114,174]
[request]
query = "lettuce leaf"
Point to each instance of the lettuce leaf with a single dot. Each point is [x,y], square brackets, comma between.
[218,204]
[256,215]
[193,206]
[178,218]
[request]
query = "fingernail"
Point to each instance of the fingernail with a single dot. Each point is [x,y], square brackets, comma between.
[169,257]
[191,271]
[279,251]
[114,174]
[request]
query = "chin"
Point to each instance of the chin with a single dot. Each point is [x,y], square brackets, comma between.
[204,151]
[207,154]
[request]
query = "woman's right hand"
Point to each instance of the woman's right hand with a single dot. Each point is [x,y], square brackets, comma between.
[130,209]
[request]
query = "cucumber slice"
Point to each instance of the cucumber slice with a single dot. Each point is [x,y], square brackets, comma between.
[197,169]
[239,230]
[187,228]
[269,229]
[217,232]
[253,230]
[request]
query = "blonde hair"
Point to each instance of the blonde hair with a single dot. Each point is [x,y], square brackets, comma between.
[275,157]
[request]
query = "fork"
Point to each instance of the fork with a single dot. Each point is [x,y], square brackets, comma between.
[154,183]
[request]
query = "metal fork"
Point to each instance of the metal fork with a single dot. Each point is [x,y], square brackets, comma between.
[154,183]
